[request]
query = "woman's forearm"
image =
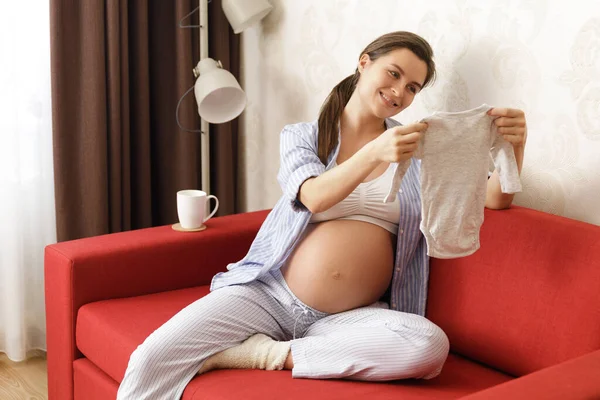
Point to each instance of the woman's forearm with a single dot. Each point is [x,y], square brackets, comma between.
[494,198]
[326,190]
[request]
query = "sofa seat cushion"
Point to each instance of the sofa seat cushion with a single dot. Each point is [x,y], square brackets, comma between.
[91,383]
[108,331]
[459,378]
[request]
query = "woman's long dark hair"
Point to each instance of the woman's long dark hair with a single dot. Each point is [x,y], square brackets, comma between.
[332,108]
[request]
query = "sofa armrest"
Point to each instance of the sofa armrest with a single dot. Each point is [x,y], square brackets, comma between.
[129,264]
[575,379]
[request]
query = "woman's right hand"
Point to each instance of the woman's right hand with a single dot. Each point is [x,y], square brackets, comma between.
[398,143]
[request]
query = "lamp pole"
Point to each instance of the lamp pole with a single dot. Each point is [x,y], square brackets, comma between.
[204,126]
[241,14]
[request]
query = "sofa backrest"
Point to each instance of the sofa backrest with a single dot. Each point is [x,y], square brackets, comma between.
[528,298]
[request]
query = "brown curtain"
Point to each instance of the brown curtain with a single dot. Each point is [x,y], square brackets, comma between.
[118,69]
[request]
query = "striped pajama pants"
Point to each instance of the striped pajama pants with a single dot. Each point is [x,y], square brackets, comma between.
[369,343]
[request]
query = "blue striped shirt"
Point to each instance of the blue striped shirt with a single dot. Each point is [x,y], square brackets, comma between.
[283,227]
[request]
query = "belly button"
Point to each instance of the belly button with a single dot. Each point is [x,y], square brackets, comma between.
[337,275]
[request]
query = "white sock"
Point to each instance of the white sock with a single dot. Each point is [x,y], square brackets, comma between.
[256,352]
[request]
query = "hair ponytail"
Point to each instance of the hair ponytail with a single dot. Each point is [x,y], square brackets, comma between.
[331,111]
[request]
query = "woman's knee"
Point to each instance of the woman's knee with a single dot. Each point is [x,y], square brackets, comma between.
[429,347]
[435,352]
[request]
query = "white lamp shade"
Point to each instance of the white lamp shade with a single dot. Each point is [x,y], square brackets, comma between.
[244,13]
[218,94]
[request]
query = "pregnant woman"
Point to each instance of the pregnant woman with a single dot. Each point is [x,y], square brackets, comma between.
[334,284]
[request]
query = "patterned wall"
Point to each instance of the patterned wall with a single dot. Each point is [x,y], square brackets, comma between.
[540,56]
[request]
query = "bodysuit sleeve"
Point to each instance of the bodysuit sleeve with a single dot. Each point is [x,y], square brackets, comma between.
[397,181]
[299,161]
[503,155]
[400,172]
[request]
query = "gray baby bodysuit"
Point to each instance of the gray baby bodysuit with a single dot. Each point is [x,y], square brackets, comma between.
[454,153]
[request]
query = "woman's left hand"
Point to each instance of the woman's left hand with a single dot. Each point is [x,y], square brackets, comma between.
[511,125]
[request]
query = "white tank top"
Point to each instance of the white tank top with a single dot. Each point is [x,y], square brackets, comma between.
[365,204]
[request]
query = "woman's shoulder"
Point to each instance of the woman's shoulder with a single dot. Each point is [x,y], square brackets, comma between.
[302,127]
[302,130]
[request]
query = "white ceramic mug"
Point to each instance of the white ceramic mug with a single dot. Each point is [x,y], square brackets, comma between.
[192,208]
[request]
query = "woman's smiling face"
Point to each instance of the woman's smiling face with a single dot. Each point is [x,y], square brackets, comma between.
[389,83]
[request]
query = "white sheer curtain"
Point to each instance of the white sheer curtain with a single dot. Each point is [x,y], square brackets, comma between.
[27,218]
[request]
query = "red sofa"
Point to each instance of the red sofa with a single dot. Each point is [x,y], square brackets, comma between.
[522,313]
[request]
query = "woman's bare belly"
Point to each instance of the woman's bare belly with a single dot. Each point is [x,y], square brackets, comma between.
[340,265]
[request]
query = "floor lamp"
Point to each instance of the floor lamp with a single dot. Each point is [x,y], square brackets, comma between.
[218,94]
